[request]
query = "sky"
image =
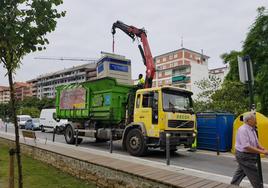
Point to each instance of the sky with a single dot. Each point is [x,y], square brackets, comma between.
[214,26]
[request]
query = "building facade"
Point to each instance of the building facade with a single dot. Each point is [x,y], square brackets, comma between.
[4,94]
[22,90]
[219,72]
[45,85]
[182,68]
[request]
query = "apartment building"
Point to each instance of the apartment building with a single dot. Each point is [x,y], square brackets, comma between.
[45,85]
[4,94]
[22,90]
[182,68]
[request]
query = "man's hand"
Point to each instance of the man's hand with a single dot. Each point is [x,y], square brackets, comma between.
[265,152]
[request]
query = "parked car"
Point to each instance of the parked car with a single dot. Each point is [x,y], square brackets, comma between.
[48,122]
[22,120]
[32,124]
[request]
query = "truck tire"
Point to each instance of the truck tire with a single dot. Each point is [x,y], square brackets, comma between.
[135,143]
[69,136]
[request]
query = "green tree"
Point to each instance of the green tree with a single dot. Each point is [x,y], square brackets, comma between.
[231,59]
[230,98]
[5,111]
[23,28]
[32,111]
[37,103]
[256,46]
[208,87]
[217,97]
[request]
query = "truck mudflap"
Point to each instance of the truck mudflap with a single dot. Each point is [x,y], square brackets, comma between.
[177,138]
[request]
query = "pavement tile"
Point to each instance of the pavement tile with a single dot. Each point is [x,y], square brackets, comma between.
[171,177]
[200,184]
[185,179]
[212,184]
[191,182]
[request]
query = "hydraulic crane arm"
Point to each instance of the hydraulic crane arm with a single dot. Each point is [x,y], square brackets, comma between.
[146,54]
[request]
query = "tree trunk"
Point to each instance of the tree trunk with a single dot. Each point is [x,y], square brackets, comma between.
[13,111]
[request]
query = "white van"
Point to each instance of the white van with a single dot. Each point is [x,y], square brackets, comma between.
[22,120]
[48,122]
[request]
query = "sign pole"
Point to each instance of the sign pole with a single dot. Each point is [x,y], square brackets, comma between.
[252,106]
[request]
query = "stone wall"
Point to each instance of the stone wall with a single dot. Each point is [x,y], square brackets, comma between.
[102,176]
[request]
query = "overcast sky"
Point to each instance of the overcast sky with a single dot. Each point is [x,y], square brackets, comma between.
[216,26]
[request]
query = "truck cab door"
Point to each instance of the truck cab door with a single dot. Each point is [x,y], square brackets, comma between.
[146,111]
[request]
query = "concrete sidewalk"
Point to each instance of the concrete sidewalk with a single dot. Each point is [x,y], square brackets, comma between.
[155,171]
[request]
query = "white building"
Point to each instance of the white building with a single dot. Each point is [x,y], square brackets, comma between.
[44,85]
[219,72]
[182,68]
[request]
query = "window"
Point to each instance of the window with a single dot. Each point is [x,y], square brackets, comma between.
[175,101]
[170,57]
[159,67]
[164,59]
[138,101]
[158,61]
[175,55]
[147,100]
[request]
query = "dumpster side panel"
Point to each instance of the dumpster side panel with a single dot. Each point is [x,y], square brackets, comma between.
[206,131]
[215,131]
[101,100]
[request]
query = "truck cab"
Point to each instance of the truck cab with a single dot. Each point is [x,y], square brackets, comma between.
[158,111]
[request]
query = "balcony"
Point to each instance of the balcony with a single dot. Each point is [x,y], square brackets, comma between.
[180,78]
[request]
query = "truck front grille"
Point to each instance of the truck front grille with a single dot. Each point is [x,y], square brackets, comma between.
[180,124]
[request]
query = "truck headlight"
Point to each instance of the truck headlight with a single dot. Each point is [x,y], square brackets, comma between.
[194,134]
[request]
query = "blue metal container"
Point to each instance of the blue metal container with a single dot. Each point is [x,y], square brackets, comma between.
[214,131]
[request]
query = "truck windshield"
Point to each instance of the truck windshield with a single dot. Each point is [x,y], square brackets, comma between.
[176,101]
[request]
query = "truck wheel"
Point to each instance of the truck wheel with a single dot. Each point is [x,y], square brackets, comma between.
[135,143]
[69,135]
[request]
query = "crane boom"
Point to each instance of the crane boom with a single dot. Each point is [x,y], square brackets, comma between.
[145,51]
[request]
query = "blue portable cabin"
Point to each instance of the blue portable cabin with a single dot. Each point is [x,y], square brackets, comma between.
[214,131]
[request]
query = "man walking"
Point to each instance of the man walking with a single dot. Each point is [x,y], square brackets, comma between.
[247,148]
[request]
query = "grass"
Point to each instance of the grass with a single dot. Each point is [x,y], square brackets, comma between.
[37,174]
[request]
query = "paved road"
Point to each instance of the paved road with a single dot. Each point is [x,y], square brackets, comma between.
[201,160]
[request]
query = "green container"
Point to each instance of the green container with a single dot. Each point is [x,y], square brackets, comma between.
[102,100]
